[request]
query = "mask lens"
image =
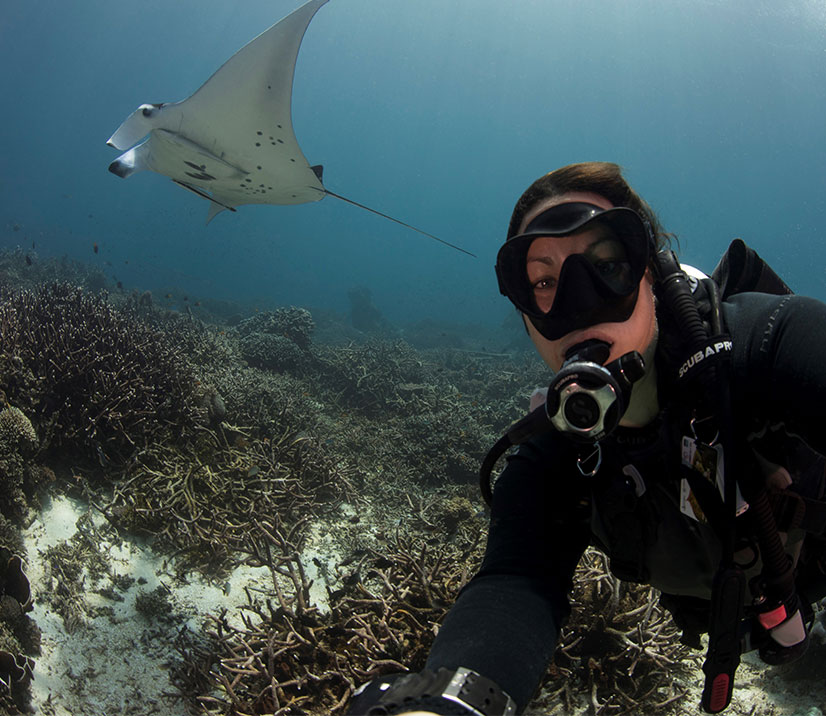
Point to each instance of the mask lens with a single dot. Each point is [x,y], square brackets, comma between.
[605,252]
[598,283]
[610,259]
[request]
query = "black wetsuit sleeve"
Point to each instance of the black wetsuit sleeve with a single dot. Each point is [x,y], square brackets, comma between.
[504,623]
[779,361]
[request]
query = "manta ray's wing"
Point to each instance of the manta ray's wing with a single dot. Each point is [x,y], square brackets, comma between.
[232,141]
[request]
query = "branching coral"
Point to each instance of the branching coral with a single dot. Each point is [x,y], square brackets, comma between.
[288,657]
[372,377]
[95,382]
[204,346]
[202,499]
[619,646]
[270,404]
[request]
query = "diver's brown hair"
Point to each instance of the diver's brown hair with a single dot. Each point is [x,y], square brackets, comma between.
[603,178]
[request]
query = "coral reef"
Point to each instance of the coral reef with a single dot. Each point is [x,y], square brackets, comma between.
[293,323]
[20,477]
[25,269]
[347,471]
[373,377]
[203,501]
[289,657]
[96,383]
[19,637]
[17,433]
[273,352]
[619,646]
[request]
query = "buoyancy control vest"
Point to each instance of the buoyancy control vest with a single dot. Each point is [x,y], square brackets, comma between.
[633,517]
[708,522]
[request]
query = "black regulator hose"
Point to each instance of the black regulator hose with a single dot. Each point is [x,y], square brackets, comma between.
[676,293]
[778,571]
[533,423]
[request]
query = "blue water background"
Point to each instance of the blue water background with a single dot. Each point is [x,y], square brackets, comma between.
[438,112]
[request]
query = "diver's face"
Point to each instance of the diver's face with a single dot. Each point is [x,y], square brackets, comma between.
[544,262]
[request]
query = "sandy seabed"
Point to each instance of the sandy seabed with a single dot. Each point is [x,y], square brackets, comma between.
[117,659]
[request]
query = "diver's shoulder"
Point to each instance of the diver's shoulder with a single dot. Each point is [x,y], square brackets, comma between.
[754,302]
[762,318]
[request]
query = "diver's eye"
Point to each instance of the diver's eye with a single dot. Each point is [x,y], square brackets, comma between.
[609,268]
[544,284]
[617,274]
[543,292]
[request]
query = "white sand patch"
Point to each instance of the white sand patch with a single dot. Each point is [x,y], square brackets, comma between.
[117,660]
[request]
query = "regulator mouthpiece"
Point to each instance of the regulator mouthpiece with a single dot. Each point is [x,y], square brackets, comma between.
[586,399]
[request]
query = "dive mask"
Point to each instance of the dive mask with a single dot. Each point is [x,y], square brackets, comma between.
[598,286]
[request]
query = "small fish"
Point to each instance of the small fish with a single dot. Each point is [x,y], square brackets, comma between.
[102,459]
[95,247]
[28,260]
[253,471]
[168,295]
[120,286]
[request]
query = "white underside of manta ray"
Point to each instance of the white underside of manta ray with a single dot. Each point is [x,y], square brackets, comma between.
[232,141]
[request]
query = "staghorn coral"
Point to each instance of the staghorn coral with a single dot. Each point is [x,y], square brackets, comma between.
[619,646]
[266,402]
[373,377]
[203,499]
[289,657]
[95,382]
[205,346]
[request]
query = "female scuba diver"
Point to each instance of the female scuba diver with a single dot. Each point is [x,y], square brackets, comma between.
[682,434]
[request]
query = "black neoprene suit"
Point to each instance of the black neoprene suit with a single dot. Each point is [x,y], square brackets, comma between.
[504,623]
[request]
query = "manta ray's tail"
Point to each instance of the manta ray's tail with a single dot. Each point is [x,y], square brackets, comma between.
[398,221]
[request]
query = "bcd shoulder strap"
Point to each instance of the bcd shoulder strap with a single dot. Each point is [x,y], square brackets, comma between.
[741,270]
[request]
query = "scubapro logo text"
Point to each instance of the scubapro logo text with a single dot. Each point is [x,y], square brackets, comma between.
[709,351]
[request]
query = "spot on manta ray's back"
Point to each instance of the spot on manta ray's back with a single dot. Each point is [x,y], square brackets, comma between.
[232,141]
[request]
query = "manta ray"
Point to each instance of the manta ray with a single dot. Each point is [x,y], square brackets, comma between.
[232,141]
